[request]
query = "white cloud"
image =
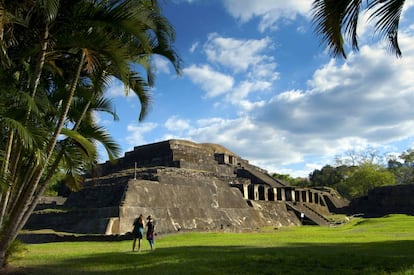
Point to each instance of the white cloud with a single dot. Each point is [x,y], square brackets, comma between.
[212,82]
[269,11]
[246,87]
[248,60]
[116,89]
[161,64]
[239,96]
[237,135]
[366,100]
[289,96]
[176,124]
[136,132]
[363,101]
[194,47]
[238,54]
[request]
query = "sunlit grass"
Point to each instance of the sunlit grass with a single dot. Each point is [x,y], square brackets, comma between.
[363,246]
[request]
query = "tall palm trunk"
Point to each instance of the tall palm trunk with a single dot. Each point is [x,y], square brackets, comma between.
[2,18]
[35,83]
[21,211]
[3,51]
[5,174]
[40,63]
[43,185]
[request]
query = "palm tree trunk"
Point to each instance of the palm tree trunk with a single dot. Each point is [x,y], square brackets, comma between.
[3,52]
[34,84]
[23,186]
[5,173]
[2,18]
[52,144]
[79,121]
[21,211]
[43,185]
[40,63]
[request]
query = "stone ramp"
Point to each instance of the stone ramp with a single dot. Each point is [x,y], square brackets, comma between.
[332,198]
[309,213]
[261,176]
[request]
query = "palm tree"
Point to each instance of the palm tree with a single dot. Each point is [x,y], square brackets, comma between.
[64,63]
[335,20]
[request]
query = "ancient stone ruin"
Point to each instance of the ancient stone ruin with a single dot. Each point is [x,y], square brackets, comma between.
[381,201]
[184,186]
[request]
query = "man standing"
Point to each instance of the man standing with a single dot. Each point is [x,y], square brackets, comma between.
[150,232]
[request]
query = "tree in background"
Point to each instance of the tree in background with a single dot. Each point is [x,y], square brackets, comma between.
[57,57]
[364,178]
[356,172]
[357,157]
[337,21]
[329,175]
[303,182]
[403,167]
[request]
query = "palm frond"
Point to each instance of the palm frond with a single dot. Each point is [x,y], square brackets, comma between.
[100,135]
[140,88]
[328,16]
[350,22]
[105,105]
[87,147]
[49,8]
[73,180]
[22,131]
[5,181]
[387,14]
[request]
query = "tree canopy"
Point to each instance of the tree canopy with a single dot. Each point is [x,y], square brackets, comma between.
[57,58]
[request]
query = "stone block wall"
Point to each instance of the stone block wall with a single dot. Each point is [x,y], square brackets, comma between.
[150,155]
[80,221]
[380,201]
[170,153]
[106,193]
[187,199]
[193,156]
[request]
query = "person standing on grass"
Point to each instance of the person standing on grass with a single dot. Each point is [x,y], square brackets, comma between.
[150,232]
[138,232]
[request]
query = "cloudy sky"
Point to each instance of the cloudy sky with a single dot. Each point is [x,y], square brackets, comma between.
[257,80]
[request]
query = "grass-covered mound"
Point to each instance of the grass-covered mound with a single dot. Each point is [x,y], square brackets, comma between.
[363,246]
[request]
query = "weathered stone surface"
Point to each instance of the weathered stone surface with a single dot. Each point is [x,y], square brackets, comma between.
[209,205]
[384,200]
[184,186]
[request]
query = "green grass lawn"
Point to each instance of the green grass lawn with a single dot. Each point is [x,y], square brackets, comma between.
[363,246]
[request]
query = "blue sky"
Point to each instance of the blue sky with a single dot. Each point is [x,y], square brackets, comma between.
[257,81]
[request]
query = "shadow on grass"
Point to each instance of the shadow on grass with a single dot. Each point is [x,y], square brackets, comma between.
[391,257]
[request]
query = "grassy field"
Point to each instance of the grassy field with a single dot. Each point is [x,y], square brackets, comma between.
[363,246]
